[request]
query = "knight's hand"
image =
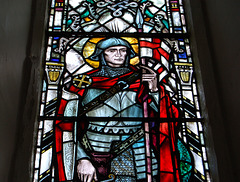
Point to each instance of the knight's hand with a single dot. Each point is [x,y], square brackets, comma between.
[86,171]
[151,78]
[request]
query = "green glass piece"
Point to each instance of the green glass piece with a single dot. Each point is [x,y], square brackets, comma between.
[91,1]
[149,14]
[185,161]
[165,22]
[184,154]
[69,22]
[85,14]
[185,168]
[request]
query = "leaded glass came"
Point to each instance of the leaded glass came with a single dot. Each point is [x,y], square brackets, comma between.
[119,98]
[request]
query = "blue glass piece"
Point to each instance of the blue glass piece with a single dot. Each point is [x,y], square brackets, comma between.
[55,60]
[164,8]
[183,55]
[177,28]
[57,28]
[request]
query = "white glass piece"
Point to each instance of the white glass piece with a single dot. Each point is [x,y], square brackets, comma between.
[198,162]
[162,75]
[43,97]
[48,53]
[69,95]
[53,172]
[83,69]
[153,9]
[147,28]
[40,124]
[105,18]
[53,87]
[165,47]
[188,50]
[188,94]
[204,154]
[58,18]
[128,17]
[176,18]
[181,43]
[71,108]
[37,158]
[194,89]
[46,159]
[117,25]
[157,67]
[200,126]
[183,20]
[190,60]
[52,11]
[67,136]
[51,94]
[192,126]
[206,166]
[50,20]
[181,10]
[175,57]
[53,3]
[184,29]
[91,27]
[208,177]
[74,3]
[50,41]
[196,103]
[48,126]
[130,30]
[73,61]
[165,62]
[198,114]
[68,159]
[150,64]
[158,3]
[80,44]
[39,138]
[35,176]
[202,139]
[41,109]
[146,52]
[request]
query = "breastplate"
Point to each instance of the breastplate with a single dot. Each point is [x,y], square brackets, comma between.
[122,104]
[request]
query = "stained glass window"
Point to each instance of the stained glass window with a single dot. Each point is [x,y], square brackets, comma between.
[119,97]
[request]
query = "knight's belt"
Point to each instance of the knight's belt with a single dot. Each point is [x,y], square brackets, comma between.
[120,147]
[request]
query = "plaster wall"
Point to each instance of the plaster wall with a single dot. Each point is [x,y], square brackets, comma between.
[215,25]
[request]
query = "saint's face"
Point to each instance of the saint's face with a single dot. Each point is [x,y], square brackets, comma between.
[115,56]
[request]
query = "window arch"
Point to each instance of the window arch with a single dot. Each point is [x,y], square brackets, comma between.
[156,102]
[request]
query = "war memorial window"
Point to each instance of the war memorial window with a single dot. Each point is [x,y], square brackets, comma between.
[119,99]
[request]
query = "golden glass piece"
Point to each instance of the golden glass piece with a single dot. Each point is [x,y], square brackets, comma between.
[185,75]
[53,75]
